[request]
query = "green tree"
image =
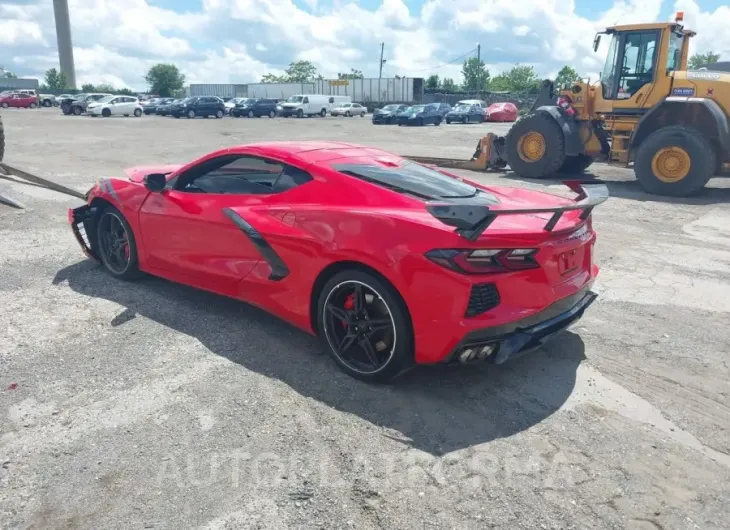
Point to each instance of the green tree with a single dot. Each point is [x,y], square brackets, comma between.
[700,59]
[164,79]
[433,81]
[55,80]
[298,72]
[88,87]
[475,73]
[9,75]
[271,78]
[523,78]
[566,77]
[500,83]
[354,74]
[105,87]
[448,85]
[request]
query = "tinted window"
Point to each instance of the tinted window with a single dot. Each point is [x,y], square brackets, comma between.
[413,179]
[247,175]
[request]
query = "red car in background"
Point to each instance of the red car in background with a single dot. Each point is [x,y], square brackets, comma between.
[506,112]
[17,100]
[391,263]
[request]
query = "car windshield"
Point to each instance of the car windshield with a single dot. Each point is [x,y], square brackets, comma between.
[390,108]
[295,99]
[414,179]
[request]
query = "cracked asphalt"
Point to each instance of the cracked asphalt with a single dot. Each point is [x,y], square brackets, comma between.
[152,405]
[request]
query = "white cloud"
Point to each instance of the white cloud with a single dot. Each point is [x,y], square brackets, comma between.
[228,41]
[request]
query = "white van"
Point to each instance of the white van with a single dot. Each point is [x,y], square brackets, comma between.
[481,103]
[302,105]
[337,101]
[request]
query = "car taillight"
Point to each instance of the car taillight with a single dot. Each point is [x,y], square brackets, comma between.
[485,261]
[564,103]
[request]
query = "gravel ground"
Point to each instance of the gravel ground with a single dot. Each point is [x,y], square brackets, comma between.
[152,405]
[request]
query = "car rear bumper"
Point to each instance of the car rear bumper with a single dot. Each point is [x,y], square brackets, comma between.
[500,343]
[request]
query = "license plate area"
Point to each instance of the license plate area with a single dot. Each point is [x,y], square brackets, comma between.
[570,261]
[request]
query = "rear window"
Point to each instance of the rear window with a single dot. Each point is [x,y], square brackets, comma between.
[414,179]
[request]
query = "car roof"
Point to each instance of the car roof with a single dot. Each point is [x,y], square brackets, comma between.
[315,151]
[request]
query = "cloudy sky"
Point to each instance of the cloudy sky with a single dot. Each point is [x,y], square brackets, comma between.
[237,41]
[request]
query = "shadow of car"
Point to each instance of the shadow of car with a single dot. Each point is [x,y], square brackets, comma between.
[434,409]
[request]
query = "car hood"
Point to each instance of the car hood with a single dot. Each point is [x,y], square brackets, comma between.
[137,174]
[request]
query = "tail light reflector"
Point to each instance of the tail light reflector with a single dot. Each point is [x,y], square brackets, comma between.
[484,261]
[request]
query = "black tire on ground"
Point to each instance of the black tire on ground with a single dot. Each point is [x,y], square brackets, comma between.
[250,114]
[219,114]
[5,105]
[554,155]
[272,114]
[77,111]
[465,119]
[137,113]
[131,271]
[106,113]
[574,165]
[448,121]
[703,161]
[362,114]
[300,113]
[323,113]
[400,358]
[191,114]
[347,113]
[437,122]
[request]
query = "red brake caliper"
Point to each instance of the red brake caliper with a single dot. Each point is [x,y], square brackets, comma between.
[349,306]
[125,245]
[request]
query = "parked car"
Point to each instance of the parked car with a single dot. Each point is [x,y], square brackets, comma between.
[389,262]
[164,108]
[230,103]
[466,114]
[420,115]
[28,92]
[18,101]
[115,106]
[480,102]
[149,106]
[255,107]
[47,100]
[349,110]
[199,106]
[302,105]
[506,112]
[78,105]
[387,114]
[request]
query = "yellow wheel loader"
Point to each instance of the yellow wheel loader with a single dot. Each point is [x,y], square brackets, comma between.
[647,111]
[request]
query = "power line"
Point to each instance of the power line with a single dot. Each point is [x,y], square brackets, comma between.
[457,59]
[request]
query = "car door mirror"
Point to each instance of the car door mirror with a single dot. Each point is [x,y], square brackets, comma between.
[155,182]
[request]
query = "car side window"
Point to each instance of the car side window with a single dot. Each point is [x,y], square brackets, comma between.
[231,174]
[332,100]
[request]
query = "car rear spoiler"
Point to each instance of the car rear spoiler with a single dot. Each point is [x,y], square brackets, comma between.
[471,220]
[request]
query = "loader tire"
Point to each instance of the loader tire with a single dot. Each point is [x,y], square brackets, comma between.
[675,161]
[535,146]
[2,139]
[574,165]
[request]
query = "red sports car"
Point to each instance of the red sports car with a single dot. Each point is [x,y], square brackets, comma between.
[392,263]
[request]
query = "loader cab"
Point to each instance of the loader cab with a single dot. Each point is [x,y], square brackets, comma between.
[639,62]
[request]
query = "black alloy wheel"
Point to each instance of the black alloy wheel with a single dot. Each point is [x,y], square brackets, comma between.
[114,243]
[363,326]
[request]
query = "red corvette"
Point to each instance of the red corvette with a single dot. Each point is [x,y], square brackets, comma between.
[390,262]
